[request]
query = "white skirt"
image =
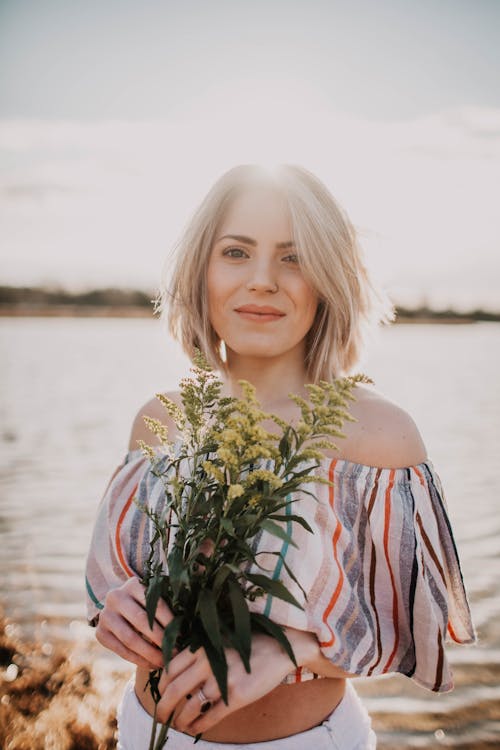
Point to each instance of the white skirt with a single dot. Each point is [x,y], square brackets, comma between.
[347,728]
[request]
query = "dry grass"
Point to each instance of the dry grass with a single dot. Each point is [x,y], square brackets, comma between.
[50,702]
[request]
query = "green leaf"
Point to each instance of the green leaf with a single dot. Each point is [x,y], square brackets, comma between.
[290,572]
[153,593]
[292,517]
[210,618]
[276,530]
[218,665]
[175,569]
[275,588]
[263,623]
[220,578]
[241,615]
[284,444]
[299,485]
[227,525]
[302,472]
[278,496]
[249,517]
[169,639]
[245,552]
[291,463]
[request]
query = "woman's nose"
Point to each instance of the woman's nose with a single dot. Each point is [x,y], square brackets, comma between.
[262,279]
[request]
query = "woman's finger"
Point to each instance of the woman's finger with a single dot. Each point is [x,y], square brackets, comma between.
[179,664]
[112,628]
[137,616]
[210,718]
[138,591]
[129,602]
[201,701]
[109,641]
[186,683]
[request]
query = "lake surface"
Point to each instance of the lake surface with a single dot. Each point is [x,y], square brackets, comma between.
[69,390]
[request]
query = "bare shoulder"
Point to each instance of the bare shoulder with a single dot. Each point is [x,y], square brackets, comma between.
[152,408]
[383,434]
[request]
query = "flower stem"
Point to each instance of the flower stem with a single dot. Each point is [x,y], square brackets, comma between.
[162,737]
[152,739]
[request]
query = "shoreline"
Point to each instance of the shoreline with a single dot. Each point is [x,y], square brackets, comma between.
[121,302]
[8,310]
[73,311]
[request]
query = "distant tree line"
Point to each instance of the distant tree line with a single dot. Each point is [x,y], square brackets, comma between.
[108,297]
[38,298]
[423,312]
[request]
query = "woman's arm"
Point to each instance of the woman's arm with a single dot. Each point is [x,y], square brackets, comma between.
[123,625]
[308,654]
[269,665]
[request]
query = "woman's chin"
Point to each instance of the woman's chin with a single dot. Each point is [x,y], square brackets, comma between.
[269,350]
[255,352]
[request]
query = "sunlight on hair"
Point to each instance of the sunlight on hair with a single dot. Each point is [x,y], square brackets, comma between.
[269,168]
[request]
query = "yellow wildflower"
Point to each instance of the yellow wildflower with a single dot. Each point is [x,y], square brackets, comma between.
[322,411]
[214,471]
[157,428]
[280,422]
[233,437]
[316,393]
[234,491]
[311,453]
[227,457]
[254,452]
[303,429]
[240,423]
[148,450]
[263,475]
[254,501]
[172,409]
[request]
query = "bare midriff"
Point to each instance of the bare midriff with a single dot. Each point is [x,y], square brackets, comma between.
[286,710]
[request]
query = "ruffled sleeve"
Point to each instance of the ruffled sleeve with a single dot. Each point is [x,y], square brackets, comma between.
[391,585]
[110,560]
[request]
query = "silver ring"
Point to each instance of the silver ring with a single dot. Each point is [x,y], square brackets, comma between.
[204,701]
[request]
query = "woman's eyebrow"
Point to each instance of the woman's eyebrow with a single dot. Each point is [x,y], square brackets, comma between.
[250,241]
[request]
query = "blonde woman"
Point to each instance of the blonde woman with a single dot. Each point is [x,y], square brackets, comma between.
[270,285]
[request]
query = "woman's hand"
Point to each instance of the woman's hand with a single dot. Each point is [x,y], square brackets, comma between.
[123,625]
[188,672]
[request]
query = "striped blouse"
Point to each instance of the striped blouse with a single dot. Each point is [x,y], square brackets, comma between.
[381,571]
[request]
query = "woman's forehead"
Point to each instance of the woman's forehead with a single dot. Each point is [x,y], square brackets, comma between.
[264,206]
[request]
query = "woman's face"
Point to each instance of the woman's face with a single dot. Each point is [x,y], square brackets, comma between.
[259,302]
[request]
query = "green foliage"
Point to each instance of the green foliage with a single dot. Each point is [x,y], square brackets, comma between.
[221,497]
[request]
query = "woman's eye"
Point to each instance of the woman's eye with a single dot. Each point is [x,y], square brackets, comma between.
[292,258]
[234,252]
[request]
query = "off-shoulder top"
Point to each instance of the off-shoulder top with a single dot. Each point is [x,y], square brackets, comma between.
[381,570]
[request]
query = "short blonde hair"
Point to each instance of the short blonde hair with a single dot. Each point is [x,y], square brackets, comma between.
[329,255]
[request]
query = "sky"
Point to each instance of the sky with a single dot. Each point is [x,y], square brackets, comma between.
[117,116]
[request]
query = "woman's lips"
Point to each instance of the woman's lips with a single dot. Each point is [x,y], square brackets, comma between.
[260,314]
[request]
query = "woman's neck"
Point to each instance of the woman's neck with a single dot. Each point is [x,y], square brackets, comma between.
[273,379]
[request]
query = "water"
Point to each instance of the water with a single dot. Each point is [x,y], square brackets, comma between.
[69,389]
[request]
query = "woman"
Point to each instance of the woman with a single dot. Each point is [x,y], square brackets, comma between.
[270,285]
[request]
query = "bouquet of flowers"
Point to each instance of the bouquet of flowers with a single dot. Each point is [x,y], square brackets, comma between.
[218,497]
